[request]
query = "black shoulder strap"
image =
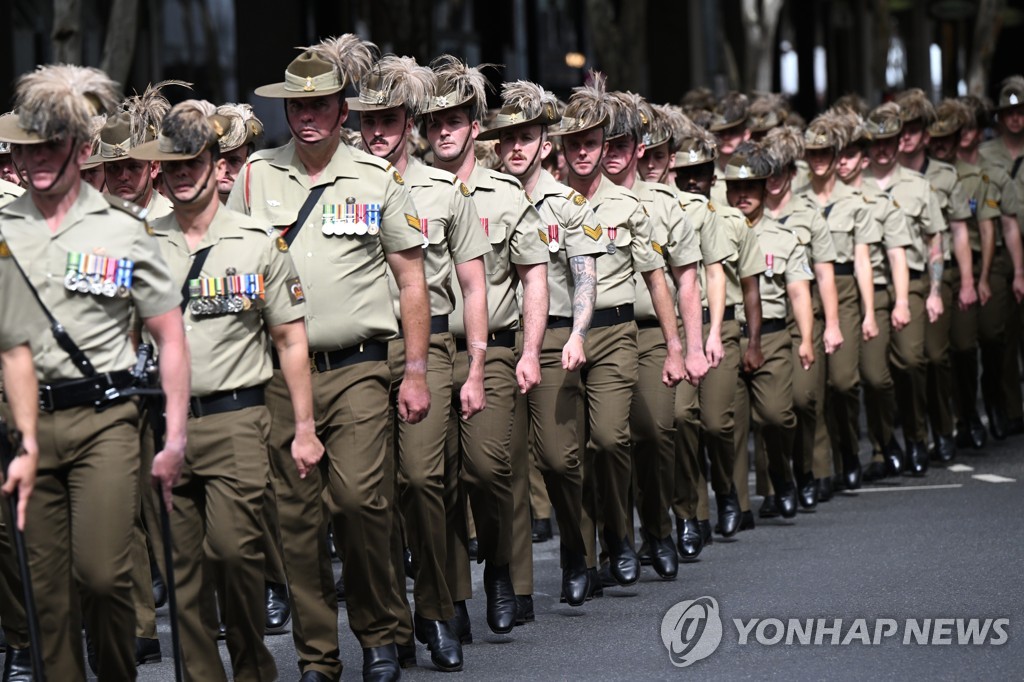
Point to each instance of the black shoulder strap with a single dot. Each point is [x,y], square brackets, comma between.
[59,333]
[783,219]
[1016,167]
[828,209]
[193,272]
[307,207]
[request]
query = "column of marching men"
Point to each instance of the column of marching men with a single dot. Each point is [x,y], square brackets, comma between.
[439,333]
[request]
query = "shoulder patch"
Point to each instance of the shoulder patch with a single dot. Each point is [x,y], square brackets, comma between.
[398,177]
[579,200]
[991,203]
[464,189]
[412,221]
[711,206]
[593,232]
[295,294]
[657,248]
[5,251]
[128,207]
[282,245]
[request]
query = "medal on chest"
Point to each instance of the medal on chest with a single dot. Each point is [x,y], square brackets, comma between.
[613,232]
[89,273]
[553,238]
[425,229]
[230,294]
[350,218]
[484,223]
[769,261]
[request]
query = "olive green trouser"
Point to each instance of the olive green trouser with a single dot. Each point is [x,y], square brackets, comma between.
[351,412]
[540,503]
[939,386]
[909,368]
[1004,388]
[879,390]
[521,568]
[842,399]
[217,529]
[12,608]
[482,469]
[146,538]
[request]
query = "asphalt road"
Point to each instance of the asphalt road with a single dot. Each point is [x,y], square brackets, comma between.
[948,546]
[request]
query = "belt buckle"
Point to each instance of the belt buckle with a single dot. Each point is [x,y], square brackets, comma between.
[46,398]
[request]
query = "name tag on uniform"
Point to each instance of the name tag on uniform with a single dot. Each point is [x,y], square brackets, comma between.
[88,273]
[351,218]
[226,295]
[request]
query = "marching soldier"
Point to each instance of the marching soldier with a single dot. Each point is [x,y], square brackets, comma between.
[111,265]
[242,295]
[347,220]
[8,171]
[729,124]
[237,144]
[390,97]
[511,224]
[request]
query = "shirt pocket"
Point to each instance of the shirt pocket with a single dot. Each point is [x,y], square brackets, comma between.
[498,234]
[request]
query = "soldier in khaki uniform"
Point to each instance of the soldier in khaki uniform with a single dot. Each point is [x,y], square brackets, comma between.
[729,124]
[8,171]
[767,391]
[1004,152]
[914,196]
[389,99]
[854,232]
[244,295]
[693,166]
[918,114]
[125,177]
[237,144]
[363,227]
[891,280]
[1004,273]
[652,410]
[86,496]
[800,216]
[610,373]
[574,240]
[9,192]
[513,227]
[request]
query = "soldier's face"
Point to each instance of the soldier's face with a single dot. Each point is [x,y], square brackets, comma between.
[779,183]
[384,132]
[522,149]
[194,181]
[850,163]
[94,176]
[315,119]
[820,161]
[746,195]
[583,152]
[913,137]
[730,138]
[696,179]
[654,164]
[970,137]
[944,148]
[622,156]
[1012,120]
[7,170]
[450,133]
[883,152]
[130,179]
[233,162]
[51,168]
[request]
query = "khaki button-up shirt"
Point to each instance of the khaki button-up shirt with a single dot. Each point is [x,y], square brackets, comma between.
[715,246]
[983,198]
[98,324]
[749,260]
[9,192]
[344,276]
[788,261]
[914,196]
[578,234]
[672,236]
[850,218]
[801,217]
[231,351]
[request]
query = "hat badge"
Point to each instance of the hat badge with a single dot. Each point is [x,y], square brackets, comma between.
[1013,98]
[743,173]
[513,118]
[380,98]
[694,157]
[441,102]
[309,87]
[647,139]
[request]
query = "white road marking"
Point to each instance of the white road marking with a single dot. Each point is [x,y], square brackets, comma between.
[902,488]
[993,478]
[959,468]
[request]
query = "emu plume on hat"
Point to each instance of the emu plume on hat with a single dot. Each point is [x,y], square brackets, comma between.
[883,122]
[750,161]
[394,81]
[853,125]
[678,123]
[323,69]
[699,146]
[58,101]
[243,128]
[914,105]
[732,111]
[950,116]
[524,103]
[587,108]
[827,131]
[137,121]
[785,144]
[767,111]
[630,115]
[457,84]
[188,130]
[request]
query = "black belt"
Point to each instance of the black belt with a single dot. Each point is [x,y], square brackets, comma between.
[102,389]
[916,274]
[881,287]
[729,314]
[606,317]
[438,325]
[648,324]
[226,401]
[555,322]
[770,326]
[324,361]
[504,339]
[843,268]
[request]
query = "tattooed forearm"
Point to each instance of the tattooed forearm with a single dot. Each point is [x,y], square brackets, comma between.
[937,267]
[584,274]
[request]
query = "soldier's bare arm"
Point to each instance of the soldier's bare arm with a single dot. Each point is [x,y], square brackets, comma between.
[584,275]
[292,348]
[168,332]
[22,391]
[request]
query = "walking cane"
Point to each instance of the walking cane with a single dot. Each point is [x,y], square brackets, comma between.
[10,444]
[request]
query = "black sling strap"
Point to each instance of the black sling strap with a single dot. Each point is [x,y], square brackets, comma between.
[828,209]
[60,334]
[193,272]
[1016,167]
[293,231]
